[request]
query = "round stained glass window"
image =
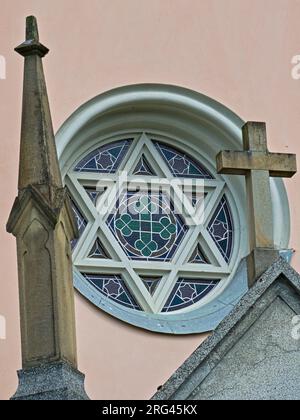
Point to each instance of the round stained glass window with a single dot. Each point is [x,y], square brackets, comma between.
[162,236]
[155,223]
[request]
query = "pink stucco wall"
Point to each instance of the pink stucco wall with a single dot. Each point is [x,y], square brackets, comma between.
[237,51]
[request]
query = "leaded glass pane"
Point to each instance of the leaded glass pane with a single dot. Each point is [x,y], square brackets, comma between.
[147,226]
[94,193]
[151,283]
[114,288]
[196,198]
[181,164]
[188,292]
[98,251]
[143,168]
[198,256]
[105,159]
[81,222]
[221,229]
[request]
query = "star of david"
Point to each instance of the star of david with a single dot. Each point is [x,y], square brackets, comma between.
[196,220]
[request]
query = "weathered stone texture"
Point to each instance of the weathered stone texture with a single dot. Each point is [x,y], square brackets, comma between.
[258,164]
[53,381]
[253,354]
[43,223]
[262,365]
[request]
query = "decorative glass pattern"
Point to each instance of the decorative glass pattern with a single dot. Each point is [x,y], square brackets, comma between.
[188,292]
[143,168]
[146,226]
[94,193]
[151,283]
[143,225]
[221,229]
[114,288]
[196,198]
[105,159]
[181,164]
[198,257]
[81,222]
[98,251]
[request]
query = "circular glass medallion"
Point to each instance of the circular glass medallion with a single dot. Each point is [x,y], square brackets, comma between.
[147,226]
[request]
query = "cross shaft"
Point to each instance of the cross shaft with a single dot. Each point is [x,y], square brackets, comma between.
[257,164]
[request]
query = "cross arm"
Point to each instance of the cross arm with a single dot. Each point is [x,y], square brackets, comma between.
[241,162]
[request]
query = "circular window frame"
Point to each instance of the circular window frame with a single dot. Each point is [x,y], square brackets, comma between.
[183,114]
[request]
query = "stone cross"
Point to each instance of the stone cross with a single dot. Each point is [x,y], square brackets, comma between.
[43,223]
[257,164]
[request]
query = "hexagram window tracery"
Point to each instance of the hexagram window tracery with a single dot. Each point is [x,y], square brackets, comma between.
[143,228]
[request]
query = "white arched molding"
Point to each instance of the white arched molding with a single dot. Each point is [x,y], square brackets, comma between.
[200,126]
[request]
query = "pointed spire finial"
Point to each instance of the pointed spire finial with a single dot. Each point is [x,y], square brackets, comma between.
[32,32]
[32,45]
[38,156]
[44,225]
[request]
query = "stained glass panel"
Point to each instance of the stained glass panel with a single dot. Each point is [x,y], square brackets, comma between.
[105,159]
[98,251]
[143,168]
[114,288]
[198,256]
[181,164]
[196,198]
[188,292]
[221,229]
[147,226]
[94,193]
[151,283]
[81,222]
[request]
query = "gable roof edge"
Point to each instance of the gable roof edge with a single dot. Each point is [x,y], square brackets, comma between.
[279,268]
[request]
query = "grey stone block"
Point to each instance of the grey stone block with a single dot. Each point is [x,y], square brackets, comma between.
[52,381]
